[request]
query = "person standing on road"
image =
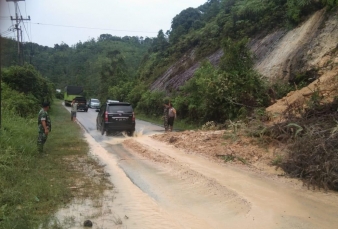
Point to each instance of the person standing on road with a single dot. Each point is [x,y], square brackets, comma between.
[44,126]
[73,110]
[165,116]
[171,117]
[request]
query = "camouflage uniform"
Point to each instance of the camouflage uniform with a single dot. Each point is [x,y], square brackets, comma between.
[42,138]
[166,115]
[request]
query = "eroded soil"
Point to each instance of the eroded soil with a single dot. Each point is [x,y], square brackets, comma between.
[230,195]
[190,179]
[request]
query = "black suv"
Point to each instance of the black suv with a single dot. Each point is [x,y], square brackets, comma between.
[116,116]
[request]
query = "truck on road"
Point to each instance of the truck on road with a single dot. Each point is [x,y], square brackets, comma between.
[71,92]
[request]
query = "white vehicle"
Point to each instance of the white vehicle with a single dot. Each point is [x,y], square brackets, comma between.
[94,103]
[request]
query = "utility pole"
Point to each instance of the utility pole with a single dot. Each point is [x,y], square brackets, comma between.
[18,19]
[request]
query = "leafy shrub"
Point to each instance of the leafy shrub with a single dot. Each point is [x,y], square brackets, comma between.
[19,103]
[227,92]
[120,92]
[25,79]
[59,95]
[151,103]
[296,9]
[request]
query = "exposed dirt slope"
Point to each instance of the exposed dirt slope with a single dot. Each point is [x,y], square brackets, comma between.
[280,54]
[325,88]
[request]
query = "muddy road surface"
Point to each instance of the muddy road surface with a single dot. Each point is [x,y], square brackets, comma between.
[160,186]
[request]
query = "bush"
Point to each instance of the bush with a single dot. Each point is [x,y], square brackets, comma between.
[228,92]
[25,79]
[151,103]
[312,141]
[19,103]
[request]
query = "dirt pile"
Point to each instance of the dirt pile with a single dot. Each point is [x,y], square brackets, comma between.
[213,145]
[324,90]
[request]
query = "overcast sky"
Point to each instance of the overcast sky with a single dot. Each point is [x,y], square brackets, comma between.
[56,21]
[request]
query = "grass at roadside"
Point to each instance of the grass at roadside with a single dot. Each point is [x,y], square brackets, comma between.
[33,187]
[179,124]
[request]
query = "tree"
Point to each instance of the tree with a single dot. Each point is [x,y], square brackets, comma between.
[183,22]
[160,43]
[113,70]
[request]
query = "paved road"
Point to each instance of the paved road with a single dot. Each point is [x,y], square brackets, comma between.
[88,121]
[161,186]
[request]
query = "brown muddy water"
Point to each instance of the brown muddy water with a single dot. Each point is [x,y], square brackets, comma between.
[158,186]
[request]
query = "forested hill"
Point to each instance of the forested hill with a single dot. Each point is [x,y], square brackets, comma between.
[206,52]
[83,63]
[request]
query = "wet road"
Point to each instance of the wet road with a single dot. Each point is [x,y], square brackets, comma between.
[88,121]
[163,187]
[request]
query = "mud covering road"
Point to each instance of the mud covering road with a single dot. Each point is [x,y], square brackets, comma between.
[161,186]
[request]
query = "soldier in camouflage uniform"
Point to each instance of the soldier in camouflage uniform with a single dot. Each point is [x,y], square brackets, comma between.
[44,126]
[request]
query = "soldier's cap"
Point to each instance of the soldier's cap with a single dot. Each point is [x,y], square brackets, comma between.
[45,104]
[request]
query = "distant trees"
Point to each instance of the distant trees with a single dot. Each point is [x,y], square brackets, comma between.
[160,43]
[183,22]
[122,68]
[113,70]
[81,63]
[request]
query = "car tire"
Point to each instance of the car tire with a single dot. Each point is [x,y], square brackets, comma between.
[130,133]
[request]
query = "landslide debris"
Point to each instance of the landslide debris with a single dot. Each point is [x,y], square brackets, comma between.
[219,145]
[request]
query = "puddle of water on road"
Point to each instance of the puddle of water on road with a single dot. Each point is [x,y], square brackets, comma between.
[99,211]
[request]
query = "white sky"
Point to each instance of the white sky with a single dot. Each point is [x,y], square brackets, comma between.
[119,18]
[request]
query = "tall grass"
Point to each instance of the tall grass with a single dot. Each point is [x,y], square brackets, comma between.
[32,187]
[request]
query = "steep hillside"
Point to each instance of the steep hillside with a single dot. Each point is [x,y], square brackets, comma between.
[325,88]
[301,52]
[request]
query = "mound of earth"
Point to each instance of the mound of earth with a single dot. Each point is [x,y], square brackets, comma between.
[221,146]
[323,89]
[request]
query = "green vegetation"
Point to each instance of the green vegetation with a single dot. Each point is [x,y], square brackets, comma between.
[24,89]
[124,68]
[81,64]
[227,92]
[32,187]
[312,143]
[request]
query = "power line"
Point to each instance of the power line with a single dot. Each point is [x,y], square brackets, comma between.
[26,9]
[18,19]
[82,27]
[24,24]
[8,31]
[9,11]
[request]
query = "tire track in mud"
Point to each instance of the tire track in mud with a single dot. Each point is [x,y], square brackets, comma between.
[229,197]
[190,191]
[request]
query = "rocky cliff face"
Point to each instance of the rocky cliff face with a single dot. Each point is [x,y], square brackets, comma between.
[182,71]
[308,49]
